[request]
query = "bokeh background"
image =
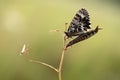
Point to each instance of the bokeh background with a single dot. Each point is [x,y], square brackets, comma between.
[30,22]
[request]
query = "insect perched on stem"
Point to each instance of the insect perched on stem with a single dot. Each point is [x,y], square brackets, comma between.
[80,27]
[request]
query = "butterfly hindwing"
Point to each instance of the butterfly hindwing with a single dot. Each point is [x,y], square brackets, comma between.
[83,36]
[79,24]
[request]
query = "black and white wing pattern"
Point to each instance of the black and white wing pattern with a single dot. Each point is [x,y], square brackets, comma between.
[79,24]
[79,27]
[83,36]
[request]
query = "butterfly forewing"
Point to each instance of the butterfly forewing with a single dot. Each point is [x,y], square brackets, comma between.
[79,24]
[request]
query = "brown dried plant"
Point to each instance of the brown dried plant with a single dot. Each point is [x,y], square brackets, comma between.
[24,52]
[81,37]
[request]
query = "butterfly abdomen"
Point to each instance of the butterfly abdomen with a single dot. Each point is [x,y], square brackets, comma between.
[83,36]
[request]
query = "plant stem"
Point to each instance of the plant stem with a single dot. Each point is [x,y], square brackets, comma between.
[45,64]
[60,65]
[59,75]
[62,58]
[59,70]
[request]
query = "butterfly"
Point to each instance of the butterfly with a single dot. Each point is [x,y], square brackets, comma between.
[80,27]
[79,24]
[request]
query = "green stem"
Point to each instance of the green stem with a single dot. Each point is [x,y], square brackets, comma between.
[59,75]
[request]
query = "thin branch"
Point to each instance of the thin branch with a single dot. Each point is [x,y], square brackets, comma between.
[24,52]
[45,64]
[59,70]
[42,63]
[62,58]
[61,63]
[63,54]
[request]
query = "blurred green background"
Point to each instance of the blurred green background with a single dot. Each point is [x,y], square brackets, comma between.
[30,22]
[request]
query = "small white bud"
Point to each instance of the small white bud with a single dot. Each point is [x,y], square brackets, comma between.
[23,51]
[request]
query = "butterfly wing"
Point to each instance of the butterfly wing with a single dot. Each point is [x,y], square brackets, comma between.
[79,24]
[83,36]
